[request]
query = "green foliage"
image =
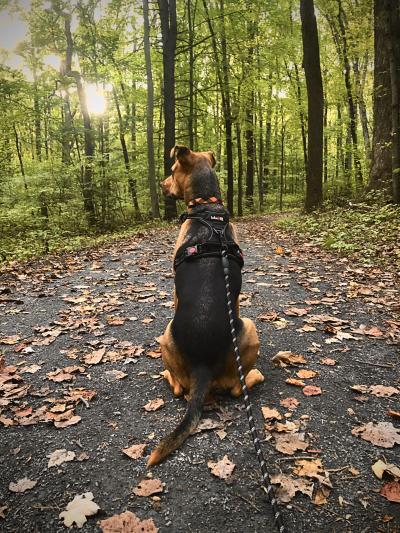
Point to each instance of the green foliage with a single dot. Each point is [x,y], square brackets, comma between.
[367,232]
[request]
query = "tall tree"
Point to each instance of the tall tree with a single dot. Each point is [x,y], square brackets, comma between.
[394,60]
[89,144]
[167,10]
[381,165]
[315,98]
[150,114]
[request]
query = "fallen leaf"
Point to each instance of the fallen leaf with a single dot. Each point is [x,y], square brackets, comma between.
[289,486]
[295,311]
[295,382]
[289,443]
[285,358]
[328,361]
[391,491]
[223,468]
[69,422]
[271,413]
[382,434]
[207,424]
[135,451]
[268,316]
[381,467]
[147,320]
[127,522]
[383,392]
[290,403]
[78,509]
[3,509]
[321,495]
[95,357]
[394,414]
[115,320]
[306,374]
[154,405]
[22,485]
[58,457]
[147,487]
[11,339]
[115,374]
[311,390]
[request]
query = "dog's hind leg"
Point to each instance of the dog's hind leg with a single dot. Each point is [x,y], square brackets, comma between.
[174,371]
[249,345]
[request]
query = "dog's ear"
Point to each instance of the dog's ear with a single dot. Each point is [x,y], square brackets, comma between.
[179,152]
[213,160]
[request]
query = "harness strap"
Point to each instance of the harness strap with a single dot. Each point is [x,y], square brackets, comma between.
[209,249]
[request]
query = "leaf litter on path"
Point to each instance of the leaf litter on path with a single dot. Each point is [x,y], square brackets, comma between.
[127,522]
[79,509]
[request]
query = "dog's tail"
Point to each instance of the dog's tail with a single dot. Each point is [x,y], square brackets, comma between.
[199,388]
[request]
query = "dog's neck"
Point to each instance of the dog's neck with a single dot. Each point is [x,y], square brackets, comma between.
[204,187]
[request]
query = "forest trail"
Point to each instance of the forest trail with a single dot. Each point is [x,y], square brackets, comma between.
[78,334]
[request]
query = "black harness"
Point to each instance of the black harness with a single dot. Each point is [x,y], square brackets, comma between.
[217,223]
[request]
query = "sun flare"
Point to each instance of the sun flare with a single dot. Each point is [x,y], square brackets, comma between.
[96,100]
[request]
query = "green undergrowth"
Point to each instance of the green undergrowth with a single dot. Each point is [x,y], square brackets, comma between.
[369,233]
[34,244]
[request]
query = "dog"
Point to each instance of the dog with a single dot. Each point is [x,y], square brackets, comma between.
[197,347]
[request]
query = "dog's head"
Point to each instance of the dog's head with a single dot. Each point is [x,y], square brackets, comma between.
[179,184]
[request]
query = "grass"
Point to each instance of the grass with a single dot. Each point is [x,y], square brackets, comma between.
[368,233]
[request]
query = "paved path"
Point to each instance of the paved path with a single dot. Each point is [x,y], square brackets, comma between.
[97,314]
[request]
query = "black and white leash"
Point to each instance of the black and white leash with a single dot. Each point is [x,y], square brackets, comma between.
[266,481]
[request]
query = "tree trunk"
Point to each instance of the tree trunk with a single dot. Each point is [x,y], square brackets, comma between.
[381,165]
[89,145]
[394,58]
[249,136]
[190,18]
[167,9]
[350,99]
[223,81]
[19,154]
[125,153]
[150,115]
[240,168]
[315,99]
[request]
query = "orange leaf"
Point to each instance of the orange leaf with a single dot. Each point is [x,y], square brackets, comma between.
[312,390]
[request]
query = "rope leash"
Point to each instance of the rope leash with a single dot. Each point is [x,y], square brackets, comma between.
[266,480]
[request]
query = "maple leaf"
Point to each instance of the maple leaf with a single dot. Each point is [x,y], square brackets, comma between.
[289,486]
[148,487]
[268,316]
[135,451]
[223,468]
[154,405]
[289,443]
[382,434]
[78,509]
[22,485]
[127,522]
[58,457]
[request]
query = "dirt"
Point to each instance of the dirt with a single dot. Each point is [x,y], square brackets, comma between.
[79,303]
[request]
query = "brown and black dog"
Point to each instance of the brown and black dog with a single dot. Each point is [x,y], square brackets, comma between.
[197,344]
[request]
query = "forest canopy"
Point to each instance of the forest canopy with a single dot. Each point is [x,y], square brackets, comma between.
[97,92]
